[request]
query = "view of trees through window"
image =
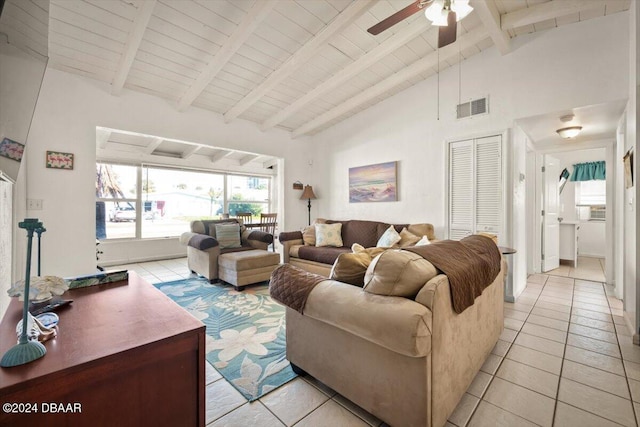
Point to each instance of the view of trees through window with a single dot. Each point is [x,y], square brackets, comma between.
[168,199]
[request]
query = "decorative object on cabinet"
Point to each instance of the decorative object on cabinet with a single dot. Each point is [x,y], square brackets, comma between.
[58,160]
[11,149]
[373,183]
[25,351]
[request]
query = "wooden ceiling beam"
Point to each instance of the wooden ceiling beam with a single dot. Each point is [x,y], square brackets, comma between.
[193,149]
[352,70]
[247,159]
[270,163]
[102,137]
[490,18]
[303,55]
[155,143]
[133,43]
[220,155]
[258,12]
[549,10]
[466,41]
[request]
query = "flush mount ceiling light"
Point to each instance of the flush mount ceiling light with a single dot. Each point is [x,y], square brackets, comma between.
[569,132]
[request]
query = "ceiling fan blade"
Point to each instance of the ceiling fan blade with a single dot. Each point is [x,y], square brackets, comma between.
[398,16]
[447,35]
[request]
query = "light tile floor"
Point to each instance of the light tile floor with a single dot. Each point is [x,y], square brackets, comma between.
[565,358]
[588,268]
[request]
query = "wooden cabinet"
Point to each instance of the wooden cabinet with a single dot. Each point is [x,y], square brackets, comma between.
[569,242]
[125,355]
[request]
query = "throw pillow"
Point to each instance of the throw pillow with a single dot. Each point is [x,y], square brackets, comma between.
[351,268]
[228,235]
[407,238]
[329,234]
[309,235]
[398,273]
[423,241]
[357,247]
[389,238]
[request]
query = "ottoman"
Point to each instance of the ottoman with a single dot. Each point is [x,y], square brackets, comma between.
[247,267]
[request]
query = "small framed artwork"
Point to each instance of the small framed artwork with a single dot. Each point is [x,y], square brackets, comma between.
[373,183]
[58,160]
[11,149]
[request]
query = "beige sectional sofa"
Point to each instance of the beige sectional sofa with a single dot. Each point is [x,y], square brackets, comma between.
[406,359]
[299,250]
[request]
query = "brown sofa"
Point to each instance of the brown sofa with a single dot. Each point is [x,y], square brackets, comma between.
[319,260]
[407,360]
[203,250]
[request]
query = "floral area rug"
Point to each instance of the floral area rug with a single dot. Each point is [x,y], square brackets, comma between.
[245,332]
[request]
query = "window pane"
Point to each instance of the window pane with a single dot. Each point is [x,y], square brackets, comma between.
[115,181]
[254,191]
[120,220]
[173,198]
[591,192]
[254,208]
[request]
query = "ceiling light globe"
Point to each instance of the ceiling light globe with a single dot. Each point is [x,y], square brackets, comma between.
[461,9]
[569,132]
[436,13]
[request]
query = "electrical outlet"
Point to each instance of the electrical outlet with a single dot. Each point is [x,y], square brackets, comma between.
[34,204]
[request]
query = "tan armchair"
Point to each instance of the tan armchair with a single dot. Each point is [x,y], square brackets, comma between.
[203,249]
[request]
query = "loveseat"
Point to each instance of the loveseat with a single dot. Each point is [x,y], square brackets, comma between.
[204,246]
[400,351]
[300,250]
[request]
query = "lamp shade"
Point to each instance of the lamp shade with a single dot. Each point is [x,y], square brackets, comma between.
[308,193]
[569,132]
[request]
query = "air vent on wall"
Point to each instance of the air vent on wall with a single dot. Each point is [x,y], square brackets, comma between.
[473,108]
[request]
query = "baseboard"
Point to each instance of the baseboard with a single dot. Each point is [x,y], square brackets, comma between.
[141,259]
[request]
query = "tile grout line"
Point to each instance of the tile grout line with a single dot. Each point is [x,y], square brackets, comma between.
[564,353]
[495,374]
[624,367]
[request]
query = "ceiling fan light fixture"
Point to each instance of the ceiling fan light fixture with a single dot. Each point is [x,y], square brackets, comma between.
[437,14]
[461,8]
[569,132]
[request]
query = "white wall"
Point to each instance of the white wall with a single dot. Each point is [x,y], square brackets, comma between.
[518,216]
[70,108]
[575,65]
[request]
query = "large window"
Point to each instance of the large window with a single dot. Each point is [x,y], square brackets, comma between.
[155,202]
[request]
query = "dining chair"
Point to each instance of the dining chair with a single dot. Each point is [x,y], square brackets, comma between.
[268,222]
[245,217]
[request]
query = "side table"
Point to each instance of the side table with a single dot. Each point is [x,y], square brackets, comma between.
[508,277]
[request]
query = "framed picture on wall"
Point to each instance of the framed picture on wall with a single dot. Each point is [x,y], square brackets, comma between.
[628,169]
[373,183]
[58,160]
[11,149]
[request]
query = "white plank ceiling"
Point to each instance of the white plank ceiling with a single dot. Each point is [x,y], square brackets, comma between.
[300,65]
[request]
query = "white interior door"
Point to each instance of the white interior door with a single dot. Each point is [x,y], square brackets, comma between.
[550,207]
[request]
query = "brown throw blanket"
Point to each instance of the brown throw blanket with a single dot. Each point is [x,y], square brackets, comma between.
[291,285]
[471,265]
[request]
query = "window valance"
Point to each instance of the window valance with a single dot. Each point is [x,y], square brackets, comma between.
[589,171]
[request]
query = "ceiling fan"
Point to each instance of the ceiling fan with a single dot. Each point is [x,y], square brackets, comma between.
[442,13]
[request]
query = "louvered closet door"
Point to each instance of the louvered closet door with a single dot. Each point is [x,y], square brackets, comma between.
[488,185]
[461,189]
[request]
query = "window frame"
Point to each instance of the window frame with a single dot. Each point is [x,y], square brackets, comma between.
[138,200]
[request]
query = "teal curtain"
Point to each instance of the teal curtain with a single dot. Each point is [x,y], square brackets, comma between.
[589,171]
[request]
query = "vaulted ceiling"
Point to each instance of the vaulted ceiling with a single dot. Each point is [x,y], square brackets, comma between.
[299,65]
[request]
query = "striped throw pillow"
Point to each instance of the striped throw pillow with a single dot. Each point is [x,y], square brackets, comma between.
[228,235]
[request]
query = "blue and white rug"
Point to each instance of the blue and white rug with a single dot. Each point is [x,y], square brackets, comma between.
[245,332]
